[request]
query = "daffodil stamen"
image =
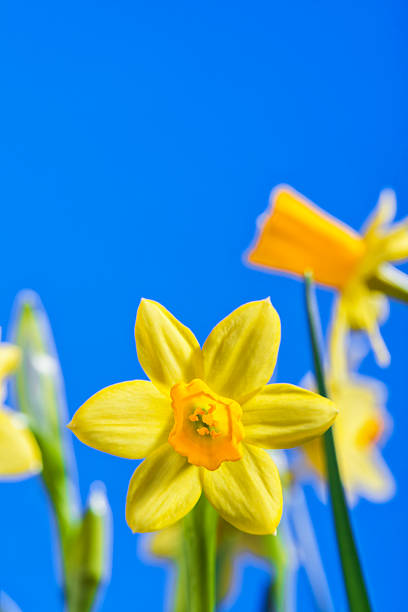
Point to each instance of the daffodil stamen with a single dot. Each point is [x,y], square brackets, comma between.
[207,427]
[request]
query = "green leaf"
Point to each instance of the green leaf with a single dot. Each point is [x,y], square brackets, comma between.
[352,573]
[39,393]
[88,563]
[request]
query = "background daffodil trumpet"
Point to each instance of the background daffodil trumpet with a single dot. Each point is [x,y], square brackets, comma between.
[204,419]
[295,236]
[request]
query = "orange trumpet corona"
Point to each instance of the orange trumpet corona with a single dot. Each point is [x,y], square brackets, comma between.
[207,427]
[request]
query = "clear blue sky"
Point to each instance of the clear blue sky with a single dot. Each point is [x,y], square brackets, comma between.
[138,143]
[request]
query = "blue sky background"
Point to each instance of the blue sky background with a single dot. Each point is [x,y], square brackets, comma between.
[138,143]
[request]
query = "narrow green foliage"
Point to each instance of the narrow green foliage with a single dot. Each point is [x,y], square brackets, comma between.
[275,551]
[89,551]
[352,573]
[39,394]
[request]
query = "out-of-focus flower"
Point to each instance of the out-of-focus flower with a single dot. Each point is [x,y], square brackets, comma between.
[296,236]
[202,419]
[84,534]
[38,388]
[20,456]
[359,431]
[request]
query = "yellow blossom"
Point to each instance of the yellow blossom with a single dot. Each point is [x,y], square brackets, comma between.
[204,419]
[296,236]
[359,430]
[19,453]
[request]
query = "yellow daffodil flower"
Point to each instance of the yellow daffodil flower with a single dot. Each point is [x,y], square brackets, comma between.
[296,236]
[204,419]
[360,428]
[20,456]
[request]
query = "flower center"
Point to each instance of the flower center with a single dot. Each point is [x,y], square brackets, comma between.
[370,433]
[207,427]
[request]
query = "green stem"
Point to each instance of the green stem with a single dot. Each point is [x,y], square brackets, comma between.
[352,573]
[277,554]
[180,594]
[311,560]
[199,543]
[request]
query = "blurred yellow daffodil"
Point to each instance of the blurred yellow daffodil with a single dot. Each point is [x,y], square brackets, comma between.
[360,428]
[20,456]
[202,419]
[296,236]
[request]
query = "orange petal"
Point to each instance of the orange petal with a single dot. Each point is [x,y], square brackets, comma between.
[296,236]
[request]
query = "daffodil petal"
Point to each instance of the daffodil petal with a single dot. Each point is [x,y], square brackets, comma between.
[168,351]
[284,416]
[381,353]
[166,543]
[338,341]
[163,489]
[10,356]
[240,354]
[20,456]
[129,419]
[396,243]
[382,215]
[246,493]
[369,476]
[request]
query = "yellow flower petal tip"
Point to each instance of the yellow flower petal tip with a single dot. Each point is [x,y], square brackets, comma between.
[294,236]
[10,358]
[239,355]
[247,493]
[163,489]
[286,416]
[128,419]
[20,456]
[162,339]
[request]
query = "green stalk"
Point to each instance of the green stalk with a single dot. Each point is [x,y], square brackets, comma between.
[199,544]
[352,574]
[276,553]
[180,594]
